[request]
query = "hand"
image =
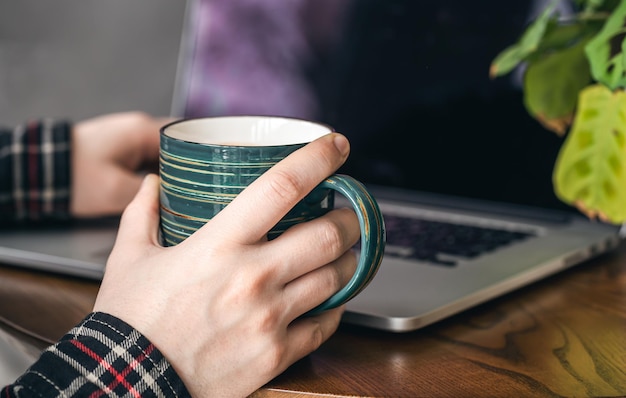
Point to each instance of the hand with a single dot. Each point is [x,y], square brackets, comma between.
[108,152]
[224,306]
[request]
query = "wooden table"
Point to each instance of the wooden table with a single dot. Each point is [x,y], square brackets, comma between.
[564,336]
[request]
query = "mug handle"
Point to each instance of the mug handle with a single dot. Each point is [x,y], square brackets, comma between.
[373,237]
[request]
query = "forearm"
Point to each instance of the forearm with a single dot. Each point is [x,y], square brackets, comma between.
[35,171]
[101,356]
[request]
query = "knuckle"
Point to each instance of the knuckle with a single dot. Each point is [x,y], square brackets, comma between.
[337,274]
[249,286]
[284,186]
[332,237]
[268,319]
[138,117]
[275,355]
[335,279]
[317,337]
[331,279]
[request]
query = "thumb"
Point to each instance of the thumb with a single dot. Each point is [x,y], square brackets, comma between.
[140,220]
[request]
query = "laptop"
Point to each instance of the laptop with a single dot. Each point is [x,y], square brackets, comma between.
[460,171]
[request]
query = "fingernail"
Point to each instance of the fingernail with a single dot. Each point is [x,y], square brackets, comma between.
[342,144]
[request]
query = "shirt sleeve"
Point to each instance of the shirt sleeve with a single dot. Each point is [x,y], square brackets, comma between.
[101,356]
[35,171]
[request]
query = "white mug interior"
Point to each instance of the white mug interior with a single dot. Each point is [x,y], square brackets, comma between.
[246,130]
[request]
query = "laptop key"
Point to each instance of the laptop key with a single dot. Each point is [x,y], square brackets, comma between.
[443,243]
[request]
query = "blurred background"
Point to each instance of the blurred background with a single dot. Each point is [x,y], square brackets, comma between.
[77,59]
[391,71]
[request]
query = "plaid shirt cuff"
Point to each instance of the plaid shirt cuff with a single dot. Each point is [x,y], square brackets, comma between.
[101,356]
[35,171]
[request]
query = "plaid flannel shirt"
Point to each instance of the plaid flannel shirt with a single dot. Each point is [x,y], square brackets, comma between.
[101,356]
[35,171]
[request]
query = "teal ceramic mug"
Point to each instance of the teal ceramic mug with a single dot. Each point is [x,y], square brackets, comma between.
[204,163]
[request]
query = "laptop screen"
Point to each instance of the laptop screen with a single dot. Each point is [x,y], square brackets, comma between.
[407,81]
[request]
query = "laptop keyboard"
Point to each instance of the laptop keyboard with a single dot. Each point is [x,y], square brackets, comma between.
[443,243]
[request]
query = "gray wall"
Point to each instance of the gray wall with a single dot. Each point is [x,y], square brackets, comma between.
[81,58]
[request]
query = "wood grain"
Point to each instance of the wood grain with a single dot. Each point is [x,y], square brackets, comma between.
[44,304]
[564,336]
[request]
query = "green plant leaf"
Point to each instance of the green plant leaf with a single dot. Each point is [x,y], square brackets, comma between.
[606,50]
[552,83]
[591,5]
[508,59]
[590,171]
[560,35]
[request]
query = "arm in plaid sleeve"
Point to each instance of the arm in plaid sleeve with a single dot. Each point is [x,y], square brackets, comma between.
[101,356]
[35,171]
